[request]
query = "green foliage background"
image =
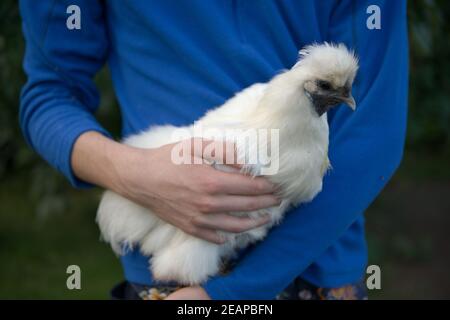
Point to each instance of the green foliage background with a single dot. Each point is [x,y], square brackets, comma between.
[45,225]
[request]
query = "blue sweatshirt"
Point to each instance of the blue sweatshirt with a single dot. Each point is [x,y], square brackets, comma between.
[171,61]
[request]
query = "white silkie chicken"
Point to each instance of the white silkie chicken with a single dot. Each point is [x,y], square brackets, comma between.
[295,102]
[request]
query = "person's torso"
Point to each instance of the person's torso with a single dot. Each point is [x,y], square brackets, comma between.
[172,60]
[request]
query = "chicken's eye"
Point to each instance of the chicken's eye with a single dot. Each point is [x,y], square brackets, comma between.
[324,85]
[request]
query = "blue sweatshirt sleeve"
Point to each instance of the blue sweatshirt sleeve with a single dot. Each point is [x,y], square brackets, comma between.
[59,98]
[365,149]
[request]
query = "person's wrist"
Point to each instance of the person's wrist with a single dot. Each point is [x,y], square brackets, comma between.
[126,162]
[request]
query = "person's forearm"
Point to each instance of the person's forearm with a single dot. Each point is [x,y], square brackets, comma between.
[179,194]
[100,160]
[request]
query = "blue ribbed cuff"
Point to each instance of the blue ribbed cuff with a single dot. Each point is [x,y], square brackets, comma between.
[66,151]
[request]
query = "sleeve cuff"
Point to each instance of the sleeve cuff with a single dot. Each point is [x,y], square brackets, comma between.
[66,152]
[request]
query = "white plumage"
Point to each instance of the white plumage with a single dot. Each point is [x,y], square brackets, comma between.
[295,102]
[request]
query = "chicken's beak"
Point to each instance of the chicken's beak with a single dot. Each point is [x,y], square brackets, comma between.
[350,101]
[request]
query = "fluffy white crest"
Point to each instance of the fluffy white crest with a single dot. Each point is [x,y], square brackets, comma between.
[329,60]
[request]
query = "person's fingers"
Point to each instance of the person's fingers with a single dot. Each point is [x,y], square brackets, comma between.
[234,203]
[209,235]
[222,152]
[183,219]
[229,223]
[239,184]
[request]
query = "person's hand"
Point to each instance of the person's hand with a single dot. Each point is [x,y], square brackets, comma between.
[189,293]
[196,198]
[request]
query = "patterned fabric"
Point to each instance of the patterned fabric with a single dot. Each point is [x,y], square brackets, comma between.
[298,290]
[133,291]
[302,290]
[153,293]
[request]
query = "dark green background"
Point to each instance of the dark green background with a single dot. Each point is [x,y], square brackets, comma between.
[45,225]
